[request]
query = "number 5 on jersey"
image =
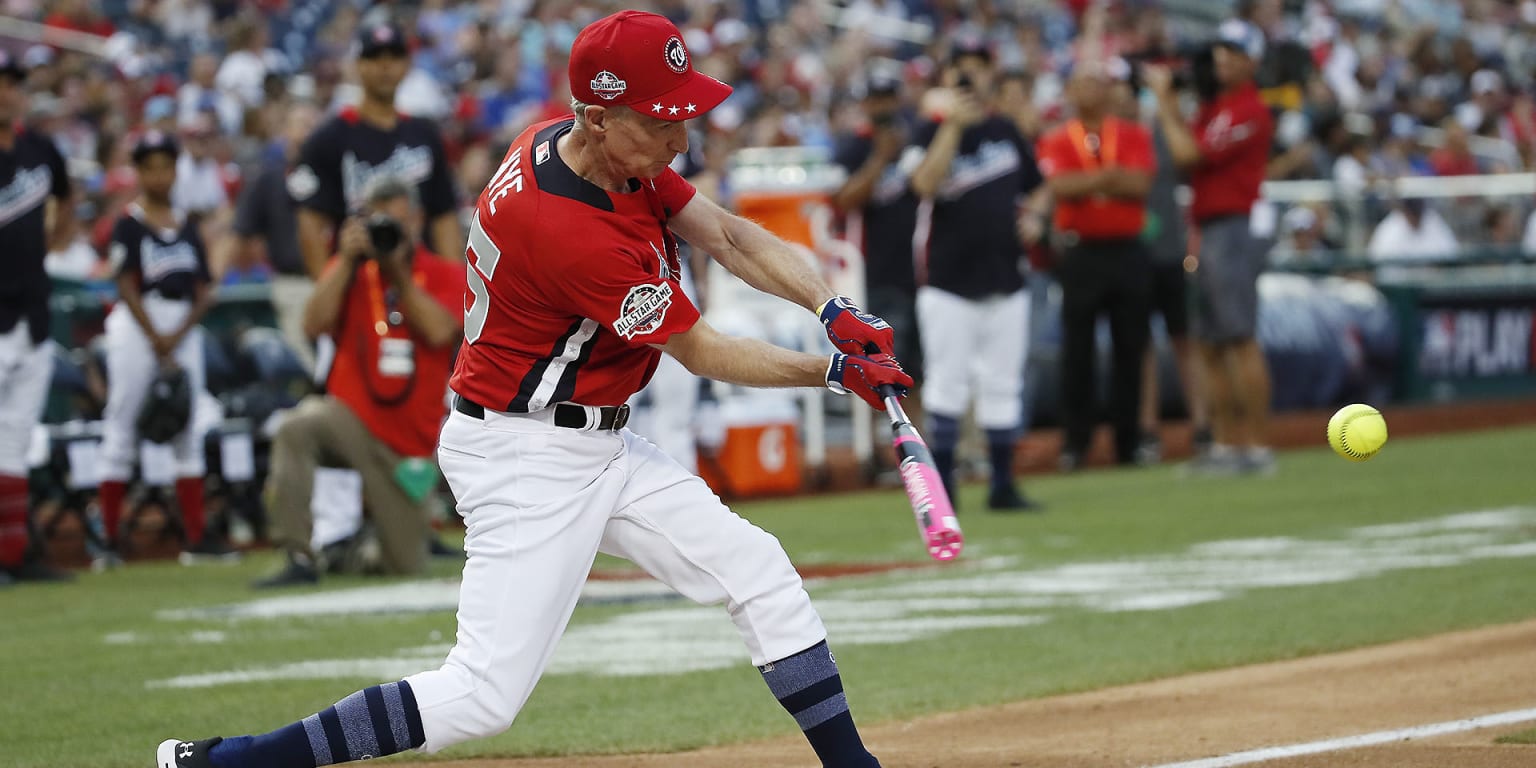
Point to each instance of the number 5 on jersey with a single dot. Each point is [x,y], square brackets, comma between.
[481,258]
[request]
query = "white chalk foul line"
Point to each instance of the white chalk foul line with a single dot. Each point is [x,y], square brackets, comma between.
[1363,740]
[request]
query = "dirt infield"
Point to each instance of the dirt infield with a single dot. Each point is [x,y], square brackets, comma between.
[1413,683]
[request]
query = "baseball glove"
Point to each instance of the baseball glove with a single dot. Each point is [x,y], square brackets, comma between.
[167,408]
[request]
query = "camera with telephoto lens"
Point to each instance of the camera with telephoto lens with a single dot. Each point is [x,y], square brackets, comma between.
[384,234]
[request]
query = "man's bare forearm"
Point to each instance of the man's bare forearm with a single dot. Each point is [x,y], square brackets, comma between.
[930,173]
[746,362]
[771,265]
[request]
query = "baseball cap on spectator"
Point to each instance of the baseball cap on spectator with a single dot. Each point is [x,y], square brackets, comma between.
[1486,81]
[11,65]
[152,142]
[729,32]
[159,108]
[969,45]
[196,125]
[698,41]
[1299,218]
[1242,37]
[37,56]
[879,82]
[638,59]
[1113,68]
[381,37]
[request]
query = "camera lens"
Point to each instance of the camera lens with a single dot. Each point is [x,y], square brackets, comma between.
[384,234]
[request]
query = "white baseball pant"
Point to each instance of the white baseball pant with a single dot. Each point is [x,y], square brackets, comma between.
[539,503]
[974,347]
[667,417]
[25,370]
[131,366]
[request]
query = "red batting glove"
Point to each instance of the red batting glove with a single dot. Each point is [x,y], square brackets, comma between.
[864,376]
[854,331]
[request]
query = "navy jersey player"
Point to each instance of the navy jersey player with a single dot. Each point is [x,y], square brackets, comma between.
[163,292]
[33,179]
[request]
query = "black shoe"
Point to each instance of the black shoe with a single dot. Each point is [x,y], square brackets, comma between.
[33,569]
[1010,500]
[1203,440]
[174,753]
[211,548]
[296,574]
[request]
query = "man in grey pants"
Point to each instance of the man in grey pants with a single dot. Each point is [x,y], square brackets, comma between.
[1226,152]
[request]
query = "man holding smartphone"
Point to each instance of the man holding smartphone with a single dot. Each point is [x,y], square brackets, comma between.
[974,173]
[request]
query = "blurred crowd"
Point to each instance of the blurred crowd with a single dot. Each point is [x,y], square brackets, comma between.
[1362,89]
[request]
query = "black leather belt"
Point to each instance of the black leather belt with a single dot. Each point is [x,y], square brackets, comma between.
[610,417]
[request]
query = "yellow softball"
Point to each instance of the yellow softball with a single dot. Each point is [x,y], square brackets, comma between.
[1357,432]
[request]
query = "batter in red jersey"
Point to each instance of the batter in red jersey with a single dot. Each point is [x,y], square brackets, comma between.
[573,297]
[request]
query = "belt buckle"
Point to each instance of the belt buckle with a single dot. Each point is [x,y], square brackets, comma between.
[620,417]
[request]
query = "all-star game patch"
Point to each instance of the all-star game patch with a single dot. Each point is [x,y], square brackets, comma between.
[608,86]
[643,310]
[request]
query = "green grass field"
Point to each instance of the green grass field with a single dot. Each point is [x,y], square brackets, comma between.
[1130,575]
[1523,737]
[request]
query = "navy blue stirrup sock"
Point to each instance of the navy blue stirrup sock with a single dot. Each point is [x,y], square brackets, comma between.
[809,688]
[371,723]
[943,437]
[1000,444]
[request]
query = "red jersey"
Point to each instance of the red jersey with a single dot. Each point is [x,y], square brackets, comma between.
[569,284]
[385,374]
[1072,149]
[1233,133]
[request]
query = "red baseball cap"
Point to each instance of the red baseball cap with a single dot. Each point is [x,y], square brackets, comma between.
[639,60]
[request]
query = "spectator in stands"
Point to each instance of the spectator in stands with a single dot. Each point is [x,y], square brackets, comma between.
[199,94]
[244,69]
[1098,168]
[1167,239]
[881,211]
[1302,241]
[266,230]
[1352,174]
[1399,155]
[372,139]
[1412,232]
[1503,228]
[394,310]
[880,214]
[973,313]
[1227,153]
[199,175]
[1454,156]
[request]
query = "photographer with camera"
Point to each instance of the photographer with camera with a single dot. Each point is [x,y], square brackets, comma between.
[1226,154]
[392,307]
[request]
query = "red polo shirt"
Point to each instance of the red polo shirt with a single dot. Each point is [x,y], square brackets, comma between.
[1073,149]
[401,405]
[1233,133]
